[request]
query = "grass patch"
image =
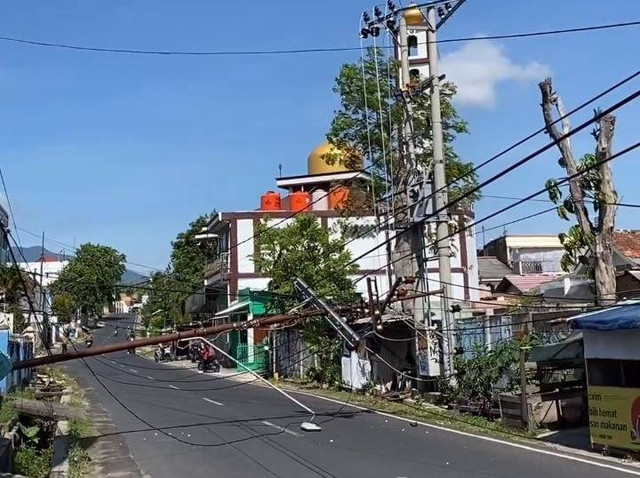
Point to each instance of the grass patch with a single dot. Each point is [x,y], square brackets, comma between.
[79,462]
[31,462]
[421,411]
[80,428]
[7,410]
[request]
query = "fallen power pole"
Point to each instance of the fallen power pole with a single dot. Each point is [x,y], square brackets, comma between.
[189,334]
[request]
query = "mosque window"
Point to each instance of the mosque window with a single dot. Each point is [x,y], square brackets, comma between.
[412,43]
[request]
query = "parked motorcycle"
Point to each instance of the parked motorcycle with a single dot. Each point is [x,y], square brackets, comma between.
[195,351]
[163,354]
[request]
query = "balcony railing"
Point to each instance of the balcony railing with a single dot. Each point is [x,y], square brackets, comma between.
[220,265]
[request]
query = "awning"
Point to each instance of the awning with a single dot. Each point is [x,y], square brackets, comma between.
[623,317]
[233,308]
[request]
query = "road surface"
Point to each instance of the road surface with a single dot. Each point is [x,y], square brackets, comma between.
[193,425]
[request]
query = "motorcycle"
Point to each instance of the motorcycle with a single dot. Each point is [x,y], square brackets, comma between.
[208,362]
[163,354]
[195,351]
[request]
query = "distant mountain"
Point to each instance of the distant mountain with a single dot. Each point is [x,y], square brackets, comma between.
[33,253]
[132,277]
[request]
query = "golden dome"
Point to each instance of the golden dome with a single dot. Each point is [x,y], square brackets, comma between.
[414,16]
[317,162]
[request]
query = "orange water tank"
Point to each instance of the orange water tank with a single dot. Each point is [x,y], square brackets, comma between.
[338,197]
[270,201]
[299,201]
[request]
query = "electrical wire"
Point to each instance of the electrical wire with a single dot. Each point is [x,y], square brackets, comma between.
[511,168]
[294,51]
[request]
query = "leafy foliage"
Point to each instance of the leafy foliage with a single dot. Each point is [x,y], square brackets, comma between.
[64,307]
[478,375]
[12,282]
[305,249]
[356,124]
[576,241]
[32,462]
[19,321]
[90,279]
[184,274]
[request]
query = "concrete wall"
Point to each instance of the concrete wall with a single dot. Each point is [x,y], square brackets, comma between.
[16,349]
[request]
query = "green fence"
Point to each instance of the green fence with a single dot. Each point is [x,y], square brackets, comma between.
[255,360]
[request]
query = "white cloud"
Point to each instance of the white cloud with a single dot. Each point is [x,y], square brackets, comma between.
[478,68]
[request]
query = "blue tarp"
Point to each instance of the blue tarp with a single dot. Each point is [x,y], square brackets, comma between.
[617,318]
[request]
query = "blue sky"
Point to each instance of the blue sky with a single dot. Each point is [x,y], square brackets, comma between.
[126,150]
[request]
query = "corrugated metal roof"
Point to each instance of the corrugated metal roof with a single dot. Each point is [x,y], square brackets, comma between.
[524,283]
[492,268]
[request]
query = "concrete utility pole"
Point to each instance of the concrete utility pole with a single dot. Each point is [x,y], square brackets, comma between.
[409,265]
[440,187]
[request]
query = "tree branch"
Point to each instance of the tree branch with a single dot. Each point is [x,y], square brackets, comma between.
[550,99]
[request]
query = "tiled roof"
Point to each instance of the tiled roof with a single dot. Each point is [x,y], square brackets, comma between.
[524,283]
[628,243]
[492,268]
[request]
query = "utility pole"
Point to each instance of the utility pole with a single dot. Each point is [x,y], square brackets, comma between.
[416,180]
[441,196]
[43,300]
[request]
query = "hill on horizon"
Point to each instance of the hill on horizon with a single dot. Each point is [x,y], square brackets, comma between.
[33,253]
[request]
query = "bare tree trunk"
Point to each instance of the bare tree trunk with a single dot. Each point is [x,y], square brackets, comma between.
[605,272]
[600,234]
[550,99]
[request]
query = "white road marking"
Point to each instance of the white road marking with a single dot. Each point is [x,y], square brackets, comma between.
[174,387]
[481,437]
[283,429]
[133,370]
[213,401]
[150,378]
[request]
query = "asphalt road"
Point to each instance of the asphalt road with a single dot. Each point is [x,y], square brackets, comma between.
[202,426]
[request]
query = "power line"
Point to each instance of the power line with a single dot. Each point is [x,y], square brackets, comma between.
[543,129]
[511,168]
[618,204]
[511,206]
[294,51]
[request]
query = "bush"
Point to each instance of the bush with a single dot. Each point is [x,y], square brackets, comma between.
[7,411]
[31,462]
[478,376]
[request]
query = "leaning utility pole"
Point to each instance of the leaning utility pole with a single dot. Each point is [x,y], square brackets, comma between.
[441,196]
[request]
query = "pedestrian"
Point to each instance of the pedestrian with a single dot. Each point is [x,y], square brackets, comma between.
[65,342]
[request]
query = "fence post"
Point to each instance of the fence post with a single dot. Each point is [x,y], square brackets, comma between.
[527,411]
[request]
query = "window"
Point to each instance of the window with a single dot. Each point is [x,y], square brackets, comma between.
[412,43]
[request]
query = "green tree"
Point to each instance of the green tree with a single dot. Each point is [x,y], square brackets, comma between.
[19,321]
[305,249]
[356,125]
[91,278]
[183,277]
[64,307]
[12,285]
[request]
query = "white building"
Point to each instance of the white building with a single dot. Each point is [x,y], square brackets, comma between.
[52,265]
[235,231]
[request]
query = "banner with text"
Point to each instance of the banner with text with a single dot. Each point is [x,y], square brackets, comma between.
[614,417]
